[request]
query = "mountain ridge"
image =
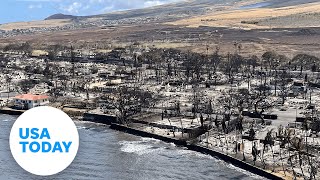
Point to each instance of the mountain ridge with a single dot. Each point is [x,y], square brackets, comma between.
[61,16]
[192,7]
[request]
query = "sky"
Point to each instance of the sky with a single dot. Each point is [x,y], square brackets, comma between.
[28,10]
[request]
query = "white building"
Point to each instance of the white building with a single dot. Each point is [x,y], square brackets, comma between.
[28,101]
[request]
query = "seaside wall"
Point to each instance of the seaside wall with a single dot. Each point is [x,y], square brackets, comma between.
[111,120]
[200,149]
[97,118]
[146,134]
[11,112]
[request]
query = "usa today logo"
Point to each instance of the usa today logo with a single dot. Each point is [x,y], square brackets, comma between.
[44,141]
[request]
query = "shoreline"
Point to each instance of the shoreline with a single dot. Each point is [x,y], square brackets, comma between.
[227,158]
[111,122]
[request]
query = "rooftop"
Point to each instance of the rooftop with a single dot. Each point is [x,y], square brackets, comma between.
[31,97]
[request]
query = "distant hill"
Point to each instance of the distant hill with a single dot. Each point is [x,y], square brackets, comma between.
[260,14]
[61,16]
[284,3]
[180,9]
[195,13]
[187,8]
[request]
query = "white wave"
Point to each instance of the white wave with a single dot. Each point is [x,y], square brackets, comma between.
[195,154]
[149,145]
[244,171]
[137,147]
[200,155]
[150,140]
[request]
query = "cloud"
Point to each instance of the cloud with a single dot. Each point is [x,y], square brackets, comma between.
[127,4]
[73,8]
[155,3]
[96,1]
[35,6]
[39,0]
[89,7]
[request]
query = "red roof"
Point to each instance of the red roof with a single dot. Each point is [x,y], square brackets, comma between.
[31,97]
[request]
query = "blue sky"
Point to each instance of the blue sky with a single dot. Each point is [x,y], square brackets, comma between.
[27,10]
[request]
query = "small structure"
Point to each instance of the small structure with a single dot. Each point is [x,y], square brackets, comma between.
[298,87]
[114,81]
[28,101]
[2,103]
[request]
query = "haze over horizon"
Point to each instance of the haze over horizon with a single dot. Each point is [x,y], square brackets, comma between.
[29,10]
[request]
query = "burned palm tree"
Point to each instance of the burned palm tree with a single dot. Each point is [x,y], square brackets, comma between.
[312,170]
[255,151]
[196,100]
[240,129]
[226,118]
[284,140]
[297,145]
[281,137]
[178,114]
[177,108]
[8,81]
[209,109]
[166,115]
[217,125]
[269,142]
[72,58]
[252,134]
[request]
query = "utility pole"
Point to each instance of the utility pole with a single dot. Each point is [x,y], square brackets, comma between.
[310,95]
[72,62]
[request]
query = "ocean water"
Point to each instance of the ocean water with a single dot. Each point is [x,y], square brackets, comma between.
[108,154]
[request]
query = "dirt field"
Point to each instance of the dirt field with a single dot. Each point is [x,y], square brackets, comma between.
[287,41]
